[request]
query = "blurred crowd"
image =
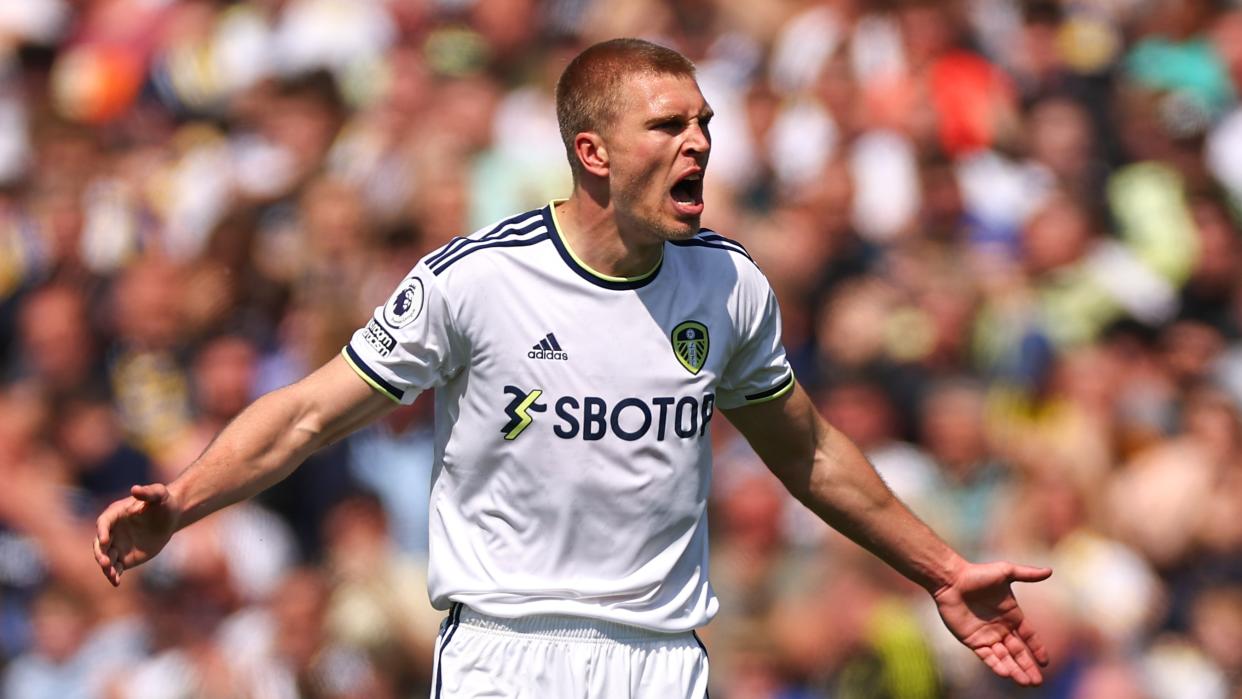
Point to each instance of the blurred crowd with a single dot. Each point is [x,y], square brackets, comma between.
[1005,235]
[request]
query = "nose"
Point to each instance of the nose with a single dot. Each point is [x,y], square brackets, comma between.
[698,140]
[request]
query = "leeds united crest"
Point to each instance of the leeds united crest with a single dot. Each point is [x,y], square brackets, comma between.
[691,344]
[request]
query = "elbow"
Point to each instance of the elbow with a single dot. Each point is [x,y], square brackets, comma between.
[304,424]
[821,485]
[838,493]
[309,432]
[801,476]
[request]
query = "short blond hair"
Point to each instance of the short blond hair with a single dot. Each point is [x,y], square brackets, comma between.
[587,92]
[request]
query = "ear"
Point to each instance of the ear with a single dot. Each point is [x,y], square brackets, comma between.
[592,153]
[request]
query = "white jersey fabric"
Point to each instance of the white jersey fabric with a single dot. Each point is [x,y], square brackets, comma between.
[572,416]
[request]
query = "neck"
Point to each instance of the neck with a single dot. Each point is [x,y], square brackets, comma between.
[592,231]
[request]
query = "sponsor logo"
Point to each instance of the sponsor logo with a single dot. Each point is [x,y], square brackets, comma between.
[380,339]
[548,348]
[518,410]
[405,305]
[691,344]
[591,418]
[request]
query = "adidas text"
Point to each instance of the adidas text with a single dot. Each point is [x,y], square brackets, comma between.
[547,354]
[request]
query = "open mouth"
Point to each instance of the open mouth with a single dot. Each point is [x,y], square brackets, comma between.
[687,194]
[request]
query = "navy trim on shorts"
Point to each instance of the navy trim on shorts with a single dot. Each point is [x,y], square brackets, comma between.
[700,642]
[706,694]
[454,620]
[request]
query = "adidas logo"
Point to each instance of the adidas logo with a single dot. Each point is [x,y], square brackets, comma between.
[548,348]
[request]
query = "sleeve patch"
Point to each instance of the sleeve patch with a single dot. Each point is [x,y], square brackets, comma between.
[378,338]
[405,305]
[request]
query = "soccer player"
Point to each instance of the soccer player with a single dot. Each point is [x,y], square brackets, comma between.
[579,353]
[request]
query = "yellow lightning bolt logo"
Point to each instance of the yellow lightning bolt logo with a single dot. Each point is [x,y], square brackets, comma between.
[518,411]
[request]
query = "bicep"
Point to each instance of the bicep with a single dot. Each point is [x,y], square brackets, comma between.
[817,463]
[784,432]
[337,401]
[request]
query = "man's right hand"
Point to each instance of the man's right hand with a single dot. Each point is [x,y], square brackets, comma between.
[131,531]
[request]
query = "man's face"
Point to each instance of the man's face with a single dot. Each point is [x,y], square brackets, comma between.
[658,146]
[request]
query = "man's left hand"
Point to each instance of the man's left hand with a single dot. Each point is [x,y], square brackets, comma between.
[980,609]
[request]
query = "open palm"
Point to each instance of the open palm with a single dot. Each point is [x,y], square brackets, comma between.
[980,609]
[133,530]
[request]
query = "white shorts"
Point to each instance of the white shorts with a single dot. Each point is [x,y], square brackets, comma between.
[560,657]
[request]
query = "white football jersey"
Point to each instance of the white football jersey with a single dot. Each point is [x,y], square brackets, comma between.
[572,416]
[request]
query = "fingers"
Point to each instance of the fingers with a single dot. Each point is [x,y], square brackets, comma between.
[102,555]
[1027,633]
[103,525]
[1016,655]
[101,558]
[1022,656]
[108,563]
[154,492]
[103,542]
[106,548]
[989,658]
[1007,662]
[1028,574]
[997,658]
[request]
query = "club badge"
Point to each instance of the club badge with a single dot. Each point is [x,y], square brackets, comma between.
[691,344]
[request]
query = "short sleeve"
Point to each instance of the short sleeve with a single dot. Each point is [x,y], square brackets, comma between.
[410,343]
[758,370]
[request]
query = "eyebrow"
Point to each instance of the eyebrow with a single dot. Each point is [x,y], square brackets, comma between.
[670,117]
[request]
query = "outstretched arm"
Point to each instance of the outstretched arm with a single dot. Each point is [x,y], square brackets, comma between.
[263,445]
[826,472]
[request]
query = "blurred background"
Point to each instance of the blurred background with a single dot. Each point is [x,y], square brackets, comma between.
[1005,237]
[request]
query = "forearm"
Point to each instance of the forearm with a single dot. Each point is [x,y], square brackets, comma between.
[826,472]
[259,448]
[842,488]
[823,469]
[269,439]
